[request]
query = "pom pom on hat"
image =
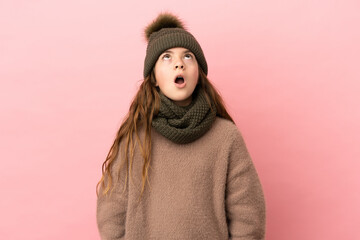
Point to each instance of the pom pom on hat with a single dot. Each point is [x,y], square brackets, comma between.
[164,20]
[165,32]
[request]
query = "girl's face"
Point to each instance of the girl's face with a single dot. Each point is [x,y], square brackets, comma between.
[176,74]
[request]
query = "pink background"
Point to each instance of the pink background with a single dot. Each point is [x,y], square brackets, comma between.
[288,71]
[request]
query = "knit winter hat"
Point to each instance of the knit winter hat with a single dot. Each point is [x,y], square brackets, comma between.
[166,32]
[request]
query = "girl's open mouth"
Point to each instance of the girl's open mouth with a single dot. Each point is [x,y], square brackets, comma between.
[180,82]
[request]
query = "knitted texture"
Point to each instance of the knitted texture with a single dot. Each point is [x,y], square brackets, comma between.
[167,38]
[184,124]
[207,189]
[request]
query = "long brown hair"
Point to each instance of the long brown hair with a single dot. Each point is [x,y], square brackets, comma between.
[143,108]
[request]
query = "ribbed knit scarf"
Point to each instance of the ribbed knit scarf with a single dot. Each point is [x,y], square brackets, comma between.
[184,124]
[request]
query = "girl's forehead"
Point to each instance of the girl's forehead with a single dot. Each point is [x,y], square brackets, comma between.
[177,50]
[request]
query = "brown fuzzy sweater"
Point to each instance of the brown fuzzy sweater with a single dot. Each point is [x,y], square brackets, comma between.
[207,189]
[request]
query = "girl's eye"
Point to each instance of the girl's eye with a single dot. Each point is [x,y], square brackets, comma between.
[166,56]
[188,56]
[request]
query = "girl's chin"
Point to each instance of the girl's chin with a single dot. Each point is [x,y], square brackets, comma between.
[182,101]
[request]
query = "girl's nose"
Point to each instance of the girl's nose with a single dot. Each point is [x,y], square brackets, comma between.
[179,64]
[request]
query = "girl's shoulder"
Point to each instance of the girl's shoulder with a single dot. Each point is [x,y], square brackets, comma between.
[224,130]
[227,134]
[225,126]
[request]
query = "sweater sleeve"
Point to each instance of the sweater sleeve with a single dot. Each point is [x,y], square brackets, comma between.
[111,209]
[245,204]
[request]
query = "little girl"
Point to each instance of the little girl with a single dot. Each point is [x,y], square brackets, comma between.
[179,167]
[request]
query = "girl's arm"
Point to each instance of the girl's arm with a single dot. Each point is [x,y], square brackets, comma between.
[245,204]
[111,209]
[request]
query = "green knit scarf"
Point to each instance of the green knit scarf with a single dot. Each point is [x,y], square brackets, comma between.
[184,124]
